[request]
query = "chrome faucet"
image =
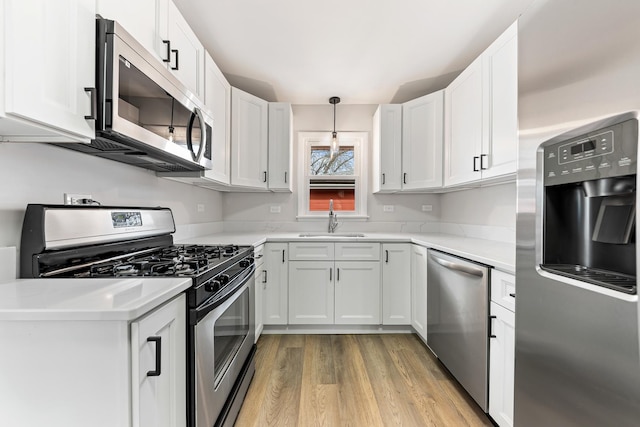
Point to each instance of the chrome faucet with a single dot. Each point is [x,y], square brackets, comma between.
[333,218]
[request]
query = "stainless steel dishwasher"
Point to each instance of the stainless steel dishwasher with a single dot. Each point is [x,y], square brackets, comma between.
[457,320]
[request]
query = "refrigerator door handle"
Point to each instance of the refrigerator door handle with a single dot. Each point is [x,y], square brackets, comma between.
[458,267]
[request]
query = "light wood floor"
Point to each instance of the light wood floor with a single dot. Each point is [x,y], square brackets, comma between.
[353,380]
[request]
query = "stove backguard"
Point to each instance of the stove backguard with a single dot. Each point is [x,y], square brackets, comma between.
[590,207]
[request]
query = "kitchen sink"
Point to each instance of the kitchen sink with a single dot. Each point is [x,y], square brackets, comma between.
[340,235]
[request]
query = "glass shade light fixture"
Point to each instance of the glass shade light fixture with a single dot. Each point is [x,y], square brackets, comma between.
[334,147]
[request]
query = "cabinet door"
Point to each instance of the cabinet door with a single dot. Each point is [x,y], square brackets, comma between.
[311,292]
[187,53]
[422,138]
[501,365]
[280,146]
[275,284]
[217,98]
[158,366]
[387,148]
[49,60]
[357,293]
[463,126]
[249,135]
[419,290]
[500,62]
[396,284]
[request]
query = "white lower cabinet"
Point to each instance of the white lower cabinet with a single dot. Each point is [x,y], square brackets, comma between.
[99,373]
[258,256]
[502,348]
[396,284]
[311,294]
[357,293]
[274,284]
[158,367]
[419,290]
[334,283]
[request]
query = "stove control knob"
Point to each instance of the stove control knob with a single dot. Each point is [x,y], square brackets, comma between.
[223,278]
[213,286]
[246,262]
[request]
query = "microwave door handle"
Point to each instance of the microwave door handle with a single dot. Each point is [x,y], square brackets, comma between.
[197,157]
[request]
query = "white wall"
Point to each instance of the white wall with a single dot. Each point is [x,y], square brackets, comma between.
[41,173]
[252,211]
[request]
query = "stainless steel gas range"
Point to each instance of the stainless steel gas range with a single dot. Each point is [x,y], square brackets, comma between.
[60,241]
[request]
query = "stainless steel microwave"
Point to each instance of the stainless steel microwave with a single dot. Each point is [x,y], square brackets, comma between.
[144,115]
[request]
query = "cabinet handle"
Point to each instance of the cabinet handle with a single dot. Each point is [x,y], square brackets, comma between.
[157,371]
[475,165]
[264,276]
[265,176]
[383,179]
[283,256]
[482,157]
[168,43]
[491,328]
[177,67]
[337,274]
[330,274]
[386,256]
[285,177]
[404,178]
[513,295]
[94,103]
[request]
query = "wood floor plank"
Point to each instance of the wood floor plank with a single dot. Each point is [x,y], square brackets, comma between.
[357,402]
[354,380]
[394,403]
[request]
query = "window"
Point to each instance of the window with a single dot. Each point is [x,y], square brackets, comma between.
[325,178]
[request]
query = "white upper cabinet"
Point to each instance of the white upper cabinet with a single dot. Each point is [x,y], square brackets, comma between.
[47,57]
[422,135]
[280,146]
[387,149]
[481,128]
[160,27]
[249,140]
[217,98]
[187,57]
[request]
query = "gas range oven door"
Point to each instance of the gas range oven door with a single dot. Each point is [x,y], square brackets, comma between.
[224,346]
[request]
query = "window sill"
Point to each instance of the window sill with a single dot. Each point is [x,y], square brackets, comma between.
[341,217]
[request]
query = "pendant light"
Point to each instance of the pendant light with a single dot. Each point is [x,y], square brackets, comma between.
[335,145]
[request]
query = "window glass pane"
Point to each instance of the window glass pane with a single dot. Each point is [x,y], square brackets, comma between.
[343,199]
[342,163]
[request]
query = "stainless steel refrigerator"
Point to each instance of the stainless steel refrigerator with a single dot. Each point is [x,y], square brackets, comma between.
[577,329]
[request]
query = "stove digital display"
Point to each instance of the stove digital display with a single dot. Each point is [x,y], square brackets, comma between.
[126,219]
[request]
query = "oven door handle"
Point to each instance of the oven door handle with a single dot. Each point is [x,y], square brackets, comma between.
[198,313]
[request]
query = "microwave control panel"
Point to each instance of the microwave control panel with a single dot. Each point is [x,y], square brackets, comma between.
[604,153]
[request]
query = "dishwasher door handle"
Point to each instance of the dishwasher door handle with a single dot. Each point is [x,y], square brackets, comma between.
[458,267]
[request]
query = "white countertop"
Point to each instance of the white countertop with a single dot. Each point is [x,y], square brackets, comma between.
[86,299]
[500,255]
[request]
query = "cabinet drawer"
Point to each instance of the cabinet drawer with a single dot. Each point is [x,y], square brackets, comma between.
[357,251]
[258,255]
[503,289]
[311,251]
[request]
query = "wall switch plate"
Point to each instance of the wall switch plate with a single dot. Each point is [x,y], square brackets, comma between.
[200,207]
[388,208]
[275,209]
[76,199]
[427,208]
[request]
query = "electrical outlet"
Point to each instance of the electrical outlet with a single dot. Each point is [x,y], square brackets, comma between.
[275,209]
[427,208]
[200,207]
[76,199]
[388,208]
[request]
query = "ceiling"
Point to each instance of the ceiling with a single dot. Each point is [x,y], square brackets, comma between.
[364,51]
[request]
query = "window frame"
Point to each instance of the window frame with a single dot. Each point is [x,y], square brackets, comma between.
[359,141]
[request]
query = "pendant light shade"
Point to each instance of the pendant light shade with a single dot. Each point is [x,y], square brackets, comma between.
[335,145]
